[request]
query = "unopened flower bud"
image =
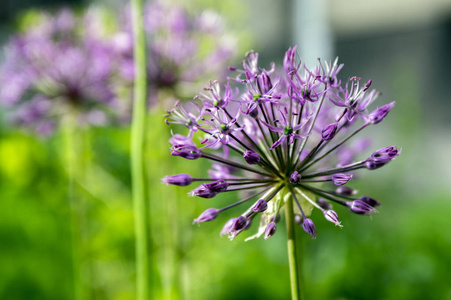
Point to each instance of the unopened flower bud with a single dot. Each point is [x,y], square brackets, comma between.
[324,203]
[298,219]
[361,208]
[179,179]
[329,131]
[185,151]
[384,155]
[203,192]
[295,177]
[239,223]
[370,201]
[379,114]
[345,191]
[216,186]
[367,85]
[270,230]
[340,179]
[207,215]
[332,216]
[227,227]
[260,206]
[251,158]
[309,227]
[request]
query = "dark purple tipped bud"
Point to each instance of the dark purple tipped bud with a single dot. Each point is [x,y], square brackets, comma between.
[179,179]
[270,230]
[298,219]
[216,186]
[260,206]
[185,151]
[379,114]
[254,113]
[367,85]
[248,224]
[329,131]
[324,203]
[385,154]
[370,201]
[203,192]
[295,177]
[239,223]
[332,216]
[227,227]
[372,165]
[361,208]
[208,215]
[275,218]
[309,227]
[251,158]
[340,179]
[345,191]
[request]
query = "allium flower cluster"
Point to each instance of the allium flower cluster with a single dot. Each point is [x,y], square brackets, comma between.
[61,65]
[283,140]
[180,47]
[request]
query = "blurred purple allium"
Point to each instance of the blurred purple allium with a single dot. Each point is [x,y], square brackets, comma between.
[280,137]
[62,65]
[181,47]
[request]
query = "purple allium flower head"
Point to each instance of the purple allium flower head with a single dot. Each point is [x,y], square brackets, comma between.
[286,129]
[251,158]
[60,66]
[179,179]
[340,179]
[270,230]
[176,56]
[207,215]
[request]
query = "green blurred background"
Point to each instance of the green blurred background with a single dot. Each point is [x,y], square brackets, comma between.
[404,252]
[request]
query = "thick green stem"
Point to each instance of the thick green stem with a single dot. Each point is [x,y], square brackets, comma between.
[140,206]
[292,257]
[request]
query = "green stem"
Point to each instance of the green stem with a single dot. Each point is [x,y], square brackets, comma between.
[75,206]
[292,258]
[140,206]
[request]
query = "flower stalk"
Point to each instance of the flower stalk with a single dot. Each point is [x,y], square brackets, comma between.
[140,205]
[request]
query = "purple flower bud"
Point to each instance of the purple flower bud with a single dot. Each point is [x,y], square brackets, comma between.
[188,152]
[179,179]
[247,225]
[270,230]
[251,158]
[340,179]
[324,203]
[208,215]
[345,191]
[216,186]
[379,114]
[361,208]
[329,131]
[260,206]
[309,227]
[298,219]
[227,227]
[239,223]
[203,192]
[367,85]
[385,154]
[372,165]
[370,201]
[295,177]
[332,216]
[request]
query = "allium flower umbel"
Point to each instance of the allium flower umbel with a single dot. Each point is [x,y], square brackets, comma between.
[61,65]
[282,139]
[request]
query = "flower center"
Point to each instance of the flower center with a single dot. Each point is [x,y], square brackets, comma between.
[256,97]
[224,128]
[305,92]
[288,130]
